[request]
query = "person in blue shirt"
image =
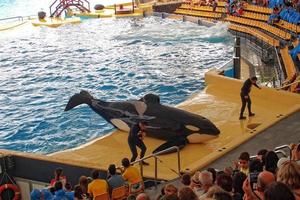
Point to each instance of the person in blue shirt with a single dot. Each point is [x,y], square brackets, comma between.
[60,194]
[114,180]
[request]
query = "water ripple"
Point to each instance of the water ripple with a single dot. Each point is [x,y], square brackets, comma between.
[114,59]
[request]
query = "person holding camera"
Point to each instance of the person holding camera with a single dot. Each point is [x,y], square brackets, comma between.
[135,139]
[255,186]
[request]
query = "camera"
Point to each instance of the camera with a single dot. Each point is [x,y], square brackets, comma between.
[253,176]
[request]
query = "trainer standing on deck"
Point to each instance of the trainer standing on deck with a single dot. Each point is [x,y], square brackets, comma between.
[245,90]
[135,138]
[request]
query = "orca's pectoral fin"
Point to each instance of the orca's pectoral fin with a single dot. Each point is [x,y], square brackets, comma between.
[179,142]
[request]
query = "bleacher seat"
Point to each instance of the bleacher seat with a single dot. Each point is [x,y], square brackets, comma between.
[252,31]
[258,9]
[119,193]
[288,62]
[104,196]
[199,13]
[256,16]
[264,26]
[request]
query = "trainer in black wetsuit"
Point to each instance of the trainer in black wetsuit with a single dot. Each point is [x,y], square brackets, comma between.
[135,140]
[245,90]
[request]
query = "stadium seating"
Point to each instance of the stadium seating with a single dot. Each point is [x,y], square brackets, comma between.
[256,16]
[252,31]
[288,62]
[275,31]
[257,9]
[199,13]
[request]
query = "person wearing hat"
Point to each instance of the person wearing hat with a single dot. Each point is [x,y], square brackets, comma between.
[245,91]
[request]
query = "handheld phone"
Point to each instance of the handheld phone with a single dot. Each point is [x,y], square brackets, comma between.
[253,176]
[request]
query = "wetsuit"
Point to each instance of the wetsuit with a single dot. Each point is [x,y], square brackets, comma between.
[245,90]
[134,140]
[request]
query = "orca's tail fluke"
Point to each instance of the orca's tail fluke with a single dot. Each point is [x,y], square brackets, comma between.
[78,99]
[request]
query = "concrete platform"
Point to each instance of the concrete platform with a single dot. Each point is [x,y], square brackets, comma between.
[219,102]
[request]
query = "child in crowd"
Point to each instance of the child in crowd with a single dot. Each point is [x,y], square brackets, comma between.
[58,176]
[243,163]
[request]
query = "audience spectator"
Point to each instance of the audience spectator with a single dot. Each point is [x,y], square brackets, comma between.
[222,196]
[261,154]
[237,185]
[289,174]
[296,151]
[171,197]
[212,190]
[142,196]
[295,155]
[214,5]
[278,191]
[274,17]
[97,186]
[132,175]
[206,180]
[186,179]
[114,180]
[243,163]
[229,171]
[168,190]
[162,193]
[225,182]
[78,193]
[68,187]
[255,166]
[271,162]
[60,194]
[44,194]
[186,193]
[213,172]
[58,176]
[264,179]
[195,183]
[83,183]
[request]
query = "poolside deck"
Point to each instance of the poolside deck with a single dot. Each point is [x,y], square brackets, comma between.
[220,102]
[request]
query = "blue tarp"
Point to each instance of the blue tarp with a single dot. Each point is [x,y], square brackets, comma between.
[290,15]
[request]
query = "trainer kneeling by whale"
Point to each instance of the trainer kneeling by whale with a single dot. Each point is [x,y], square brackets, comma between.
[176,126]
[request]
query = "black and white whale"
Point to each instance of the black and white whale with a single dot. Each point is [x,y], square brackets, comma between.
[176,126]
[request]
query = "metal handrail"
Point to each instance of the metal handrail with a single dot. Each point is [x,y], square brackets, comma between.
[8,18]
[281,151]
[280,66]
[284,147]
[295,82]
[140,161]
[20,18]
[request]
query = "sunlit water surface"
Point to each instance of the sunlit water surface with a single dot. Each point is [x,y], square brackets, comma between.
[40,68]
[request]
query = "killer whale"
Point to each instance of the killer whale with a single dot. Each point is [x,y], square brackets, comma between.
[176,126]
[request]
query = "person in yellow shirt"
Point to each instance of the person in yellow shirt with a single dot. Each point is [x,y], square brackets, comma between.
[97,186]
[132,175]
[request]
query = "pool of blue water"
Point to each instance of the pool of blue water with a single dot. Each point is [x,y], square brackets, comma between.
[40,68]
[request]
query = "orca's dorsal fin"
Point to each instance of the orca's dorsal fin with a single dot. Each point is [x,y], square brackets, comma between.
[179,142]
[151,99]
